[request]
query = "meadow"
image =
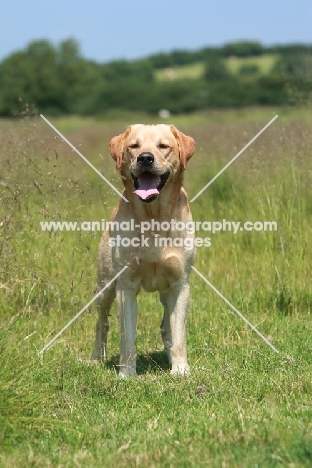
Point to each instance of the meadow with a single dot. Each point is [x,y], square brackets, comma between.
[242,404]
[263,64]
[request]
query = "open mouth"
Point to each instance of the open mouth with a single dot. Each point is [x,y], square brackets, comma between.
[147,185]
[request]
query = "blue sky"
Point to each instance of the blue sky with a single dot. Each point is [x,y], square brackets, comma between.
[114,29]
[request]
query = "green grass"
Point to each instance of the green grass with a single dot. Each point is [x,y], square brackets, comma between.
[242,405]
[264,62]
[195,71]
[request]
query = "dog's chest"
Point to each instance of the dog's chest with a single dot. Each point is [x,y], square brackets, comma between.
[158,269]
[155,276]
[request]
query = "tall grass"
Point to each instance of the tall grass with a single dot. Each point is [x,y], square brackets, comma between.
[242,405]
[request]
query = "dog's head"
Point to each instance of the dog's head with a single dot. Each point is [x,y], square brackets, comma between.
[150,156]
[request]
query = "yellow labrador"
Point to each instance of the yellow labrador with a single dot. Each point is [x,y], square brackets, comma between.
[151,160]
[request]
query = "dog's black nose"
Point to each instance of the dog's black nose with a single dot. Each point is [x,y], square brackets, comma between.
[145,159]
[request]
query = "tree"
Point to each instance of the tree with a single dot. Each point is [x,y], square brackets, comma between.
[30,76]
[249,70]
[79,78]
[55,80]
[294,71]
[242,49]
[215,70]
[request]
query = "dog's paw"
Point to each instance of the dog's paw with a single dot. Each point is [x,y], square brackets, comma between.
[180,370]
[99,354]
[125,372]
[89,362]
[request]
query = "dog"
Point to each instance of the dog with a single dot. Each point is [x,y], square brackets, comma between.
[151,160]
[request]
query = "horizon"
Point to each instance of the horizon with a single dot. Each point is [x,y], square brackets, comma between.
[168,52]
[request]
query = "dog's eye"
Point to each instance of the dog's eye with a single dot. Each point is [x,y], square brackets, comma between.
[134,145]
[163,146]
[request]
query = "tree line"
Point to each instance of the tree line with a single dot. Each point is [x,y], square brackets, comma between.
[58,80]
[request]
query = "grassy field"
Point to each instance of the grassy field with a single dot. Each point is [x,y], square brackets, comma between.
[242,405]
[264,63]
[193,72]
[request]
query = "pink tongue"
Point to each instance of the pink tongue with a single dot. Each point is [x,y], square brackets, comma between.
[147,186]
[144,194]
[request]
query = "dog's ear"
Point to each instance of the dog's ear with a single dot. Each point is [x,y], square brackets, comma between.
[116,147]
[186,145]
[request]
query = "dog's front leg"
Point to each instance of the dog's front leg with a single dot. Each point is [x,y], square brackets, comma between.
[105,301]
[178,301]
[127,312]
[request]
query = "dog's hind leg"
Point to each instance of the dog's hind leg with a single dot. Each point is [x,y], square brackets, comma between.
[104,303]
